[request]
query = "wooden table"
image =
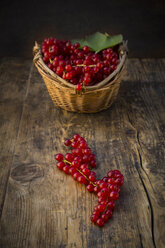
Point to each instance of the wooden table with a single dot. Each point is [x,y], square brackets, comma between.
[42,207]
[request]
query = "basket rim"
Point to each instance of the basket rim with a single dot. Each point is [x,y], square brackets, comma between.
[38,61]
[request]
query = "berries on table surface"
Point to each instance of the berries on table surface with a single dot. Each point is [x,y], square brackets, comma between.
[59,157]
[60,165]
[105,217]
[100,222]
[94,218]
[79,66]
[66,169]
[90,187]
[78,164]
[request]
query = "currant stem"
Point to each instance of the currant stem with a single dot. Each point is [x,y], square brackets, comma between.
[51,61]
[66,161]
[81,65]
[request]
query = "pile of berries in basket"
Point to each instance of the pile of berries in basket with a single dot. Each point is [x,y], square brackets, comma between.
[79,65]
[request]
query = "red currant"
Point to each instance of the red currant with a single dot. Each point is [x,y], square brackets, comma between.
[66,169]
[68,68]
[59,157]
[94,218]
[60,165]
[92,176]
[78,87]
[105,217]
[72,170]
[114,195]
[86,171]
[109,213]
[86,49]
[67,142]
[90,187]
[110,205]
[101,208]
[100,222]
[76,137]
[69,157]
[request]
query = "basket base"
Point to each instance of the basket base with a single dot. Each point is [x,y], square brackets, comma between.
[83,111]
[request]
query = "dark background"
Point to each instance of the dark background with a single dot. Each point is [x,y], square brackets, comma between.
[141,22]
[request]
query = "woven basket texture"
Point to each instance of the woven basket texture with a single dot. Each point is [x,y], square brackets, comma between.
[93,98]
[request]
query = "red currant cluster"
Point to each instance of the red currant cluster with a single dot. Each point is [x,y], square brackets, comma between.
[78,164]
[107,190]
[80,67]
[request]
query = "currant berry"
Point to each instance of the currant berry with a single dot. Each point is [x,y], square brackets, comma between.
[105,217]
[68,68]
[78,87]
[76,175]
[93,163]
[103,185]
[94,218]
[77,45]
[96,189]
[60,165]
[119,181]
[75,144]
[67,142]
[96,213]
[111,181]
[113,67]
[83,166]
[72,170]
[81,180]
[104,191]
[83,144]
[102,194]
[113,187]
[59,157]
[100,222]
[92,176]
[59,70]
[114,195]
[99,65]
[109,213]
[101,199]
[78,151]
[98,182]
[76,137]
[110,205]
[105,179]
[87,151]
[66,169]
[69,157]
[104,203]
[75,164]
[86,49]
[85,158]
[86,171]
[90,187]
[101,208]
[78,159]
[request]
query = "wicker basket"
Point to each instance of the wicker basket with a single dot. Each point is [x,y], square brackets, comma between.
[93,98]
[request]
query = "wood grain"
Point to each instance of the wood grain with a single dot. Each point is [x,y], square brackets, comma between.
[45,208]
[14,75]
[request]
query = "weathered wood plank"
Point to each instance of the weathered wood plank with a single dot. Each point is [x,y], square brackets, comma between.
[13,84]
[149,126]
[45,208]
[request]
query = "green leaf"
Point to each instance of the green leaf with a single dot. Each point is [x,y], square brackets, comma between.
[99,41]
